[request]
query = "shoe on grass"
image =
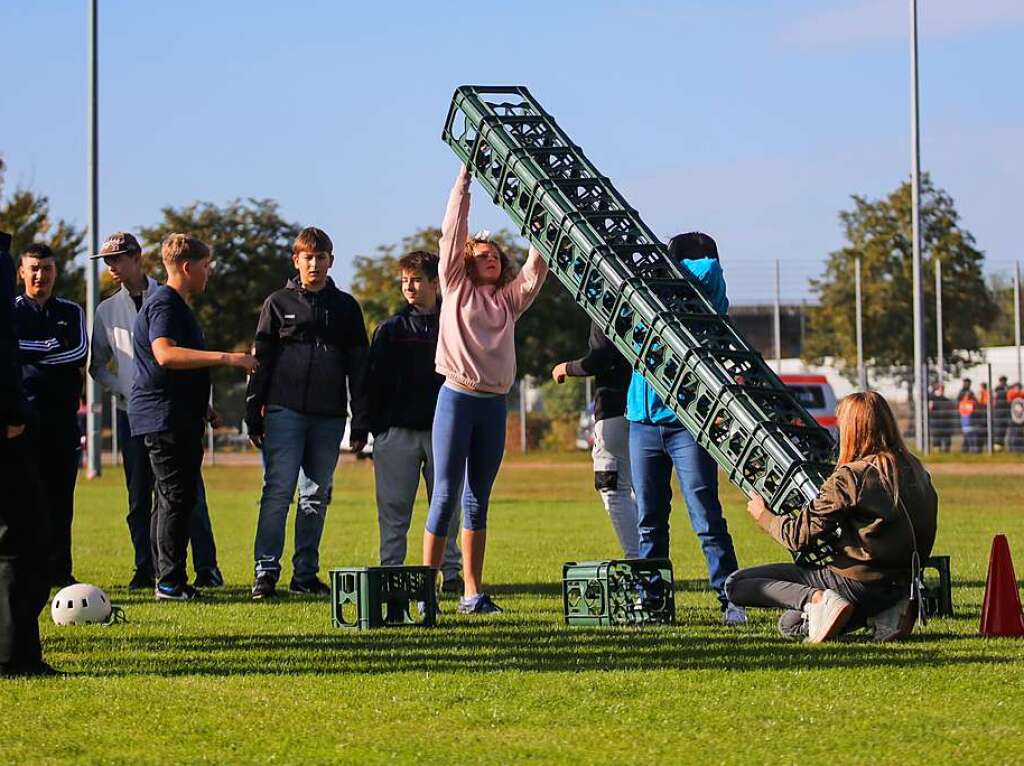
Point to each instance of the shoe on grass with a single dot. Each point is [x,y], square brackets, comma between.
[63,581]
[734,615]
[142,580]
[208,578]
[826,619]
[894,623]
[454,585]
[479,604]
[313,587]
[264,587]
[167,592]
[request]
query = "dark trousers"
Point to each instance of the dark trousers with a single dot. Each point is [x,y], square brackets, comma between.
[138,475]
[177,459]
[24,565]
[57,452]
[790,586]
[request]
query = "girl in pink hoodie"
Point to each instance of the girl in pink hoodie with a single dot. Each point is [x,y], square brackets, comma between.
[481,301]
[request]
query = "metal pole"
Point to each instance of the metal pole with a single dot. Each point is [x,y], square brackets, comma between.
[589,389]
[862,378]
[114,451]
[522,414]
[1016,315]
[778,322]
[988,411]
[940,360]
[93,402]
[920,374]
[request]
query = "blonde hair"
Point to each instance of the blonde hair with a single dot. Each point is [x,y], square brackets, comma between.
[177,248]
[868,431]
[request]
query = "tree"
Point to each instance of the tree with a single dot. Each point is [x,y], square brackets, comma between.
[26,217]
[552,330]
[879,232]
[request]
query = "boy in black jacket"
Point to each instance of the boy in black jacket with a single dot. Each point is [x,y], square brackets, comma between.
[402,387]
[309,341]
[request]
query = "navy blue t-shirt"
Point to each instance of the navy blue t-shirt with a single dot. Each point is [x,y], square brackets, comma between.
[162,399]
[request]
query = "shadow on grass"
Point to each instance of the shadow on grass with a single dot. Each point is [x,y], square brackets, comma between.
[468,647]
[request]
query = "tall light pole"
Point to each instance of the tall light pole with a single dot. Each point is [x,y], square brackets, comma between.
[940,360]
[920,373]
[862,376]
[1016,315]
[93,400]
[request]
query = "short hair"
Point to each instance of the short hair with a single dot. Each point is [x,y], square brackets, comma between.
[420,260]
[507,272]
[312,240]
[178,248]
[692,246]
[37,250]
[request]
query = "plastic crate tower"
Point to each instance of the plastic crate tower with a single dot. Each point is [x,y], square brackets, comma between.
[621,275]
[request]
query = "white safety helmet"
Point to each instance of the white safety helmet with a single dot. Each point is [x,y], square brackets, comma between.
[80,604]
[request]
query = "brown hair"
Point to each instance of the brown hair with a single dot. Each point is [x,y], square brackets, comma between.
[37,250]
[178,248]
[420,260]
[868,431]
[312,240]
[507,273]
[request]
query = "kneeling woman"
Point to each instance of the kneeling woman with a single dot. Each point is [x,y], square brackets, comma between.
[481,300]
[877,510]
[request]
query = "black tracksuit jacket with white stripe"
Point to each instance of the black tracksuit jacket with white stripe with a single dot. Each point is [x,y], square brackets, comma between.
[52,348]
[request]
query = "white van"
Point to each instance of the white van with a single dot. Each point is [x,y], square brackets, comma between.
[816,395]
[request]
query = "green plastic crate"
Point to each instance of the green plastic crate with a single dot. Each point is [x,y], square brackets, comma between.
[938,587]
[383,597]
[618,592]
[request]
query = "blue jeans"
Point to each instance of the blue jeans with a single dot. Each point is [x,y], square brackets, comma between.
[468,440]
[299,449]
[653,452]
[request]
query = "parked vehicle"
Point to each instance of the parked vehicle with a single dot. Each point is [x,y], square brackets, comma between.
[816,395]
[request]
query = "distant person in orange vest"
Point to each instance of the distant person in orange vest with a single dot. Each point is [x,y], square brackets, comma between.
[966,407]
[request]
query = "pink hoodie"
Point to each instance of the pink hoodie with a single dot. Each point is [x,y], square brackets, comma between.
[476,346]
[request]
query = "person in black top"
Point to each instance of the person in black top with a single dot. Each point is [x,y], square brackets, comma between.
[612,477]
[310,342]
[24,573]
[52,346]
[402,387]
[169,403]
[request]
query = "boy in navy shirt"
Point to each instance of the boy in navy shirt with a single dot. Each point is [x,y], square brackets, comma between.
[169,403]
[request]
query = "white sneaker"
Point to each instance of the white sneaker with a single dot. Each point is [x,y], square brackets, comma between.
[734,615]
[895,623]
[826,618]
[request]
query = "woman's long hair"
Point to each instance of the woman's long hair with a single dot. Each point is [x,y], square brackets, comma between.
[468,257]
[868,431]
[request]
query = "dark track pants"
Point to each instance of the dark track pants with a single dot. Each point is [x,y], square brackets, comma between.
[24,542]
[58,456]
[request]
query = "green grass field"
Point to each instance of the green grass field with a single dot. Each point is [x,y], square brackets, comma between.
[230,681]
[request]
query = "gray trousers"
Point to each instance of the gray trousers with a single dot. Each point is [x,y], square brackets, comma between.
[400,457]
[614,480]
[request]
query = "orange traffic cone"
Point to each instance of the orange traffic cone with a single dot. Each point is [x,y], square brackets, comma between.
[1001,613]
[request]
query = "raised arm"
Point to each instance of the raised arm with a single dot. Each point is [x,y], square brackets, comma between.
[455,233]
[522,290]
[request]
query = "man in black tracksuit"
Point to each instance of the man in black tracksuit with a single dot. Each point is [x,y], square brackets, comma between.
[612,477]
[52,346]
[310,340]
[402,386]
[24,575]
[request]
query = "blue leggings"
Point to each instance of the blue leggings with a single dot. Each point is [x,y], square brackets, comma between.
[468,441]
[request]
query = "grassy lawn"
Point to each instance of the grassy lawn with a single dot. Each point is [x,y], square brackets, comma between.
[230,681]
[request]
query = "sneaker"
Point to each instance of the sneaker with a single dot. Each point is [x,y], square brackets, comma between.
[40,668]
[208,578]
[479,604]
[894,623]
[454,585]
[734,615]
[142,580]
[167,592]
[826,619]
[63,581]
[312,587]
[264,587]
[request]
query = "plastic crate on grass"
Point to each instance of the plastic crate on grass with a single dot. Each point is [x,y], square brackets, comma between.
[383,597]
[618,592]
[938,587]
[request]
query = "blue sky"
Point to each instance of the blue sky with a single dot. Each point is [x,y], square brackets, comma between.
[753,121]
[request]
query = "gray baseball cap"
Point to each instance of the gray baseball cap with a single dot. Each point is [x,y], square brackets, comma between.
[117,244]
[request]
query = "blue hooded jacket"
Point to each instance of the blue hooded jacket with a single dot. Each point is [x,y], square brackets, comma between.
[643,405]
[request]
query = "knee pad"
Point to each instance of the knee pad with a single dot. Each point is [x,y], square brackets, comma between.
[606,480]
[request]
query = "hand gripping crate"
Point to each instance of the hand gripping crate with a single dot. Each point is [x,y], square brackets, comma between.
[618,592]
[380,597]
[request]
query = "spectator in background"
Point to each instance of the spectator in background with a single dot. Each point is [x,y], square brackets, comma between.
[942,416]
[52,345]
[1000,413]
[1015,429]
[980,417]
[965,389]
[966,407]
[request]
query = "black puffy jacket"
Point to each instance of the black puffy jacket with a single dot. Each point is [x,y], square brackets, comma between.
[312,349]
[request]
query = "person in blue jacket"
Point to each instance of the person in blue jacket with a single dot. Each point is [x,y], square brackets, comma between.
[658,442]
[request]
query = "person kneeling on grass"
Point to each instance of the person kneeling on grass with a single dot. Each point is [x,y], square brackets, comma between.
[878,511]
